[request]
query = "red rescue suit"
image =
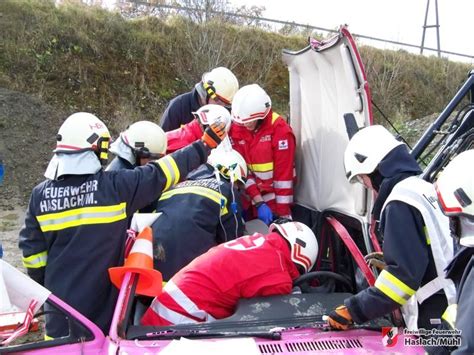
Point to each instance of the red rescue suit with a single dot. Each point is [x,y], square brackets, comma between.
[211,285]
[270,155]
[183,136]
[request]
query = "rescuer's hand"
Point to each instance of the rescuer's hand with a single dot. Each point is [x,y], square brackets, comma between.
[214,134]
[376,260]
[340,318]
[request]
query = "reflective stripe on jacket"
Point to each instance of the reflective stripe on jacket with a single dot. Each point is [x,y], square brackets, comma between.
[270,153]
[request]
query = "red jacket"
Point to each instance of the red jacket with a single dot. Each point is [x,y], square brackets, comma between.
[183,136]
[211,285]
[270,155]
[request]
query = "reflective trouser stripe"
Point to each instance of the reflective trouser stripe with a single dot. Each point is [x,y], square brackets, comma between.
[282,184]
[215,196]
[262,167]
[393,287]
[184,302]
[284,199]
[82,216]
[450,314]
[170,169]
[35,261]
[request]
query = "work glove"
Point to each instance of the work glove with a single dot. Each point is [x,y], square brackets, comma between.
[214,134]
[340,318]
[376,260]
[265,214]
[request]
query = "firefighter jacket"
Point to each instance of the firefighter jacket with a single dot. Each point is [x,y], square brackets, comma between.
[196,215]
[183,136]
[410,228]
[210,287]
[461,271]
[270,154]
[75,230]
[119,163]
[178,111]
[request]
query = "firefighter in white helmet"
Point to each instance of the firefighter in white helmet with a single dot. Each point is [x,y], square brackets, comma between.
[455,189]
[200,213]
[76,220]
[141,142]
[192,131]
[268,144]
[251,266]
[217,87]
[416,241]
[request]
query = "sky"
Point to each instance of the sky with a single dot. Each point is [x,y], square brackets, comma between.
[397,20]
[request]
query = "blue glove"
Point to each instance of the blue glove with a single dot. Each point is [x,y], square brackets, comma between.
[1,172]
[265,214]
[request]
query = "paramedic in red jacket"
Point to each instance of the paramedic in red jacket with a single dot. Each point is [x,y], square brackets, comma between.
[267,143]
[251,266]
[192,131]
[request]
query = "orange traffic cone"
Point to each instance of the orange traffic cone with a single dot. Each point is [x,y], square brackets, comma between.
[140,261]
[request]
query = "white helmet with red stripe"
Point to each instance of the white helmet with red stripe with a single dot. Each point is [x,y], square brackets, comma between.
[303,243]
[209,114]
[80,132]
[250,103]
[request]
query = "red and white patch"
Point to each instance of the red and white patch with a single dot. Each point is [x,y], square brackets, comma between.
[283,144]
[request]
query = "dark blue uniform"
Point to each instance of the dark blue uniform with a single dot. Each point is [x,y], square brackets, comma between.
[75,230]
[406,249]
[178,111]
[118,163]
[197,214]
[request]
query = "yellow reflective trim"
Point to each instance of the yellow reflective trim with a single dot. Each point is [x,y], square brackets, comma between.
[450,315]
[274,117]
[201,191]
[402,286]
[170,169]
[427,236]
[35,261]
[77,211]
[48,338]
[390,293]
[83,221]
[261,167]
[104,155]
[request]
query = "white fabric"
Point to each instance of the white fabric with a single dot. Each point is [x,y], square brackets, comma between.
[422,195]
[238,346]
[20,289]
[324,85]
[72,164]
[142,220]
[120,149]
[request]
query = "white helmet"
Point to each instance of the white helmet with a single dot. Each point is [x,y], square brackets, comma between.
[250,103]
[303,243]
[147,139]
[83,131]
[230,164]
[366,150]
[455,186]
[220,83]
[209,114]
